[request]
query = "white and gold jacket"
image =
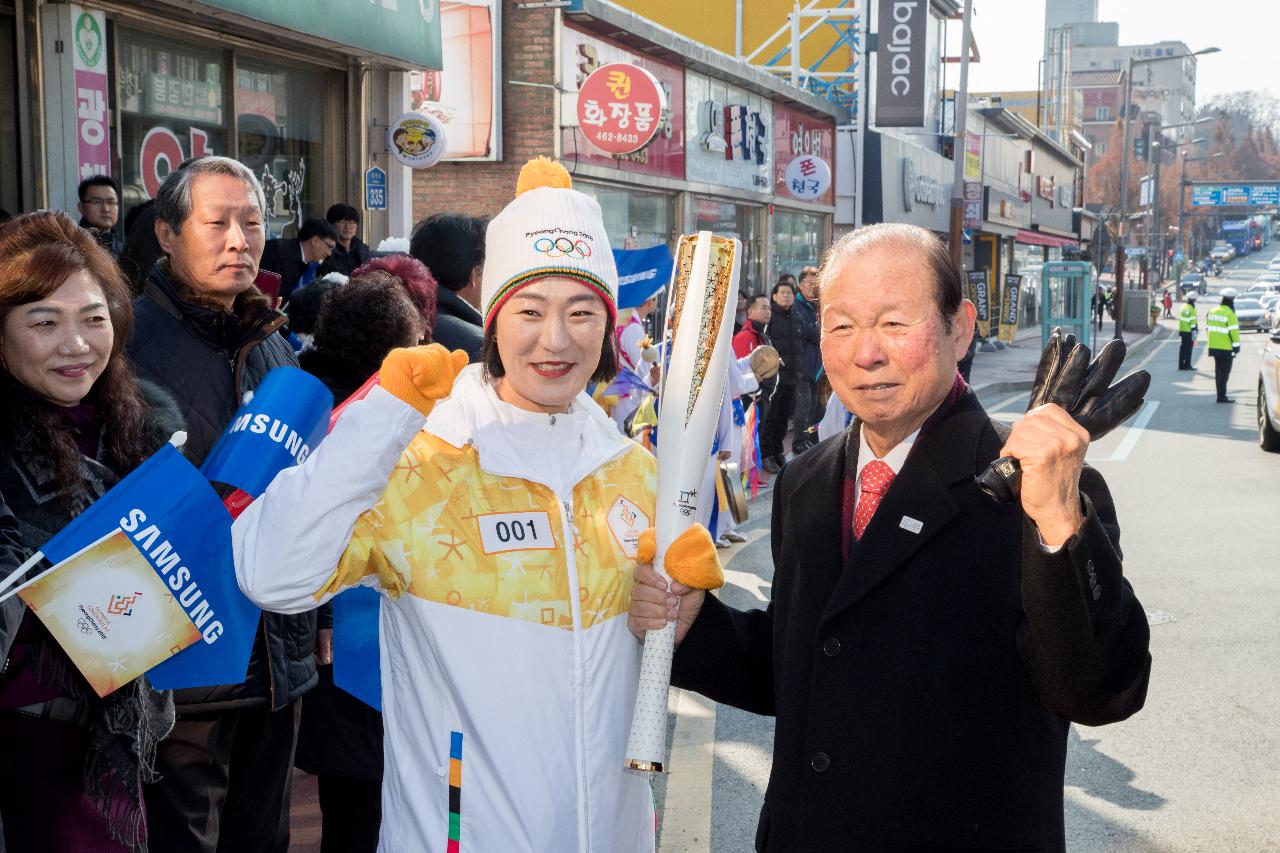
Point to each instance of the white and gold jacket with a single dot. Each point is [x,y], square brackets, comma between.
[504,542]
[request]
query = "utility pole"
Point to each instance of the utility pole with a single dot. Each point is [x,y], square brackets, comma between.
[960,107]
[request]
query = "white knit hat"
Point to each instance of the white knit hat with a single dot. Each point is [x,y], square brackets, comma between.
[549,229]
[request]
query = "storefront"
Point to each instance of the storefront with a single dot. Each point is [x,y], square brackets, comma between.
[906,183]
[298,95]
[804,152]
[11,93]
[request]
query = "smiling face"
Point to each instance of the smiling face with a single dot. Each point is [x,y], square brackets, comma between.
[58,346]
[549,336]
[221,242]
[887,351]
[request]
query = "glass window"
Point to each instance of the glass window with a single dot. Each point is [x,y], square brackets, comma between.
[1028,261]
[633,220]
[280,136]
[171,103]
[797,242]
[734,220]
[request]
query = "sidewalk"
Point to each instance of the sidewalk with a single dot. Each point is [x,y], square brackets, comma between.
[1014,367]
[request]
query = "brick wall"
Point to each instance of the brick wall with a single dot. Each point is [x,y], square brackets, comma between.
[528,124]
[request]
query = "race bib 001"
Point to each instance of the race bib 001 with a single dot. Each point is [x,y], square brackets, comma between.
[515,531]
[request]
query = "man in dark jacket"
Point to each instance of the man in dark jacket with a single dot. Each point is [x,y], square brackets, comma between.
[452,247]
[806,412]
[99,208]
[926,648]
[298,259]
[208,336]
[351,252]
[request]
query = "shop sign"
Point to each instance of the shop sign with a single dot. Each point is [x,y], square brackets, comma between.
[619,108]
[900,63]
[980,295]
[972,204]
[465,96]
[796,136]
[581,55]
[416,140]
[972,156]
[1065,196]
[93,140]
[1044,188]
[1005,209]
[732,134]
[922,188]
[408,30]
[375,188]
[1010,296]
[808,177]
[160,145]
[189,100]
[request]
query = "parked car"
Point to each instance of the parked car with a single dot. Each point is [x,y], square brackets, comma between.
[1270,314]
[1275,264]
[1194,280]
[1250,314]
[1260,288]
[1269,397]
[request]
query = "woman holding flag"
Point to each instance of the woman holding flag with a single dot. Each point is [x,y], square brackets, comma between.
[499,511]
[74,421]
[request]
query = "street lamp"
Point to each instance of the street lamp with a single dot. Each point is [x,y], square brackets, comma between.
[1124,175]
[1182,203]
[1159,150]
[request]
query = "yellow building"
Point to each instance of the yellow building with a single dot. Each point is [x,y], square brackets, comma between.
[766,37]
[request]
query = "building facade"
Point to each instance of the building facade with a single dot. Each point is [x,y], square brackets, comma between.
[719,161]
[131,90]
[1167,88]
[1102,97]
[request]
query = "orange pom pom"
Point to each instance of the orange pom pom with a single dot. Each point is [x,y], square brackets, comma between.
[691,559]
[543,172]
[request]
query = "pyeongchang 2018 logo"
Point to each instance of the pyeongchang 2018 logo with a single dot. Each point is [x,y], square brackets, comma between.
[122,605]
[562,247]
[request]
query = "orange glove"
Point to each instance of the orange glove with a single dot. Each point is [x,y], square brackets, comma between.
[691,559]
[421,375]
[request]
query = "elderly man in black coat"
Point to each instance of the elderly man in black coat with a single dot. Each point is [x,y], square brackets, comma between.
[926,649]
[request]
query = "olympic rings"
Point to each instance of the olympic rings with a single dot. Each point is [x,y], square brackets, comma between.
[562,247]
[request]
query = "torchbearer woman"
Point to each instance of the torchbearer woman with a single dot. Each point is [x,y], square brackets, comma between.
[499,511]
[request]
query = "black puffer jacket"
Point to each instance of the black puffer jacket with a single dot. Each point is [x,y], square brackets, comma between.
[208,360]
[786,330]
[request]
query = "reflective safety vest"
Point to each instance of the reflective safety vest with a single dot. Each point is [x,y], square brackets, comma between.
[1223,328]
[1187,318]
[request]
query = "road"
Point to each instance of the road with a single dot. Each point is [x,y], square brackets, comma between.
[1196,770]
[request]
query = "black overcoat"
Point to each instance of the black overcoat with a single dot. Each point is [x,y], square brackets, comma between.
[923,690]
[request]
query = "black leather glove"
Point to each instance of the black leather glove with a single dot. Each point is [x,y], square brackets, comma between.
[1067,378]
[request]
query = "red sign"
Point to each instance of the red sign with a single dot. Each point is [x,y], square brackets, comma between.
[797,136]
[581,54]
[620,108]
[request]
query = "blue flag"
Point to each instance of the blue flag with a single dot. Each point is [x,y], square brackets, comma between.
[278,428]
[642,273]
[174,521]
[357,668]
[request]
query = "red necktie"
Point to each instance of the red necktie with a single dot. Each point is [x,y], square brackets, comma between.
[876,477]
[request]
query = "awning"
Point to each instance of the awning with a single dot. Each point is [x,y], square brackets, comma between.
[1037,238]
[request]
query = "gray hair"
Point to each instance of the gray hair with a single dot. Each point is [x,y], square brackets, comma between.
[173,199]
[948,289]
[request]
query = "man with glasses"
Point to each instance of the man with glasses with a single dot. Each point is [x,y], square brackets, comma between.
[100,211]
[298,259]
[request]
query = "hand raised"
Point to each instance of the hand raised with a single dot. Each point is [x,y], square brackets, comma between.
[421,375]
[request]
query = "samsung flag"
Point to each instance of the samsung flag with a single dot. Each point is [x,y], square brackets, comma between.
[143,582]
[357,667]
[642,273]
[277,429]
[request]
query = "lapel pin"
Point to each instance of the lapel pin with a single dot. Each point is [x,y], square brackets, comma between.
[913,525]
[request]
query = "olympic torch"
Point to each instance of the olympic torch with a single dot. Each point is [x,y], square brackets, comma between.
[702,296]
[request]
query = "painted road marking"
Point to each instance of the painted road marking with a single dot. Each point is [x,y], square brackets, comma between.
[1121,453]
[686,810]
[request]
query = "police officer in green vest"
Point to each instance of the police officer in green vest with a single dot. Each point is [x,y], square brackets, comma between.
[1223,332]
[1187,329]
